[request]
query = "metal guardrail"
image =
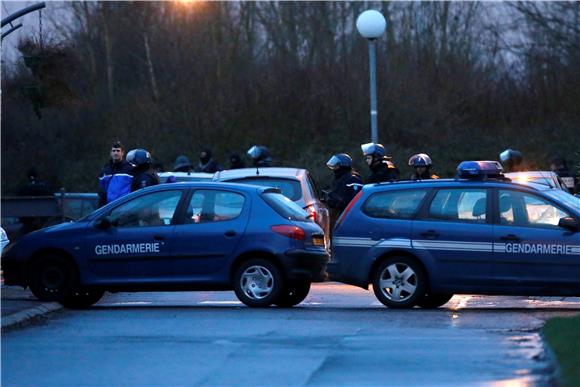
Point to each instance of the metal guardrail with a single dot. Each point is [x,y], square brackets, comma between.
[63,204]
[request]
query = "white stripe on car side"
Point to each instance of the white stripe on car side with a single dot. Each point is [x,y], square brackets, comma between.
[429,244]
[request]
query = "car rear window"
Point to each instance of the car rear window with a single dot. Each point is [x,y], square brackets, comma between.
[284,206]
[289,187]
[394,204]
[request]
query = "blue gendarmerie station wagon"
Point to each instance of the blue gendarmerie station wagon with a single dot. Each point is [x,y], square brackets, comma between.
[182,236]
[420,242]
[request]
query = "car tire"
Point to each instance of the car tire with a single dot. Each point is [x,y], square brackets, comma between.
[258,283]
[82,299]
[399,282]
[433,301]
[293,294]
[52,278]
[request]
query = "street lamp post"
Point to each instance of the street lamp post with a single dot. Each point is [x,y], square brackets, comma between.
[371,25]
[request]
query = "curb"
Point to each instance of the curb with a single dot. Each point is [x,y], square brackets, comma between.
[29,314]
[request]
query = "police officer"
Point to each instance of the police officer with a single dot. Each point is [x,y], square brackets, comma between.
[34,186]
[116,176]
[143,174]
[182,164]
[206,163]
[346,182]
[422,164]
[260,156]
[381,166]
[236,161]
[560,168]
[512,160]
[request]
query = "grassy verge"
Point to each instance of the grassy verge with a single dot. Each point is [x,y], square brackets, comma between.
[563,335]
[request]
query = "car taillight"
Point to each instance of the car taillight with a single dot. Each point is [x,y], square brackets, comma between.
[293,232]
[312,214]
[347,209]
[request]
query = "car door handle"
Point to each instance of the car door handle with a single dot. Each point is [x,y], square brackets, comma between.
[430,234]
[159,237]
[230,233]
[510,238]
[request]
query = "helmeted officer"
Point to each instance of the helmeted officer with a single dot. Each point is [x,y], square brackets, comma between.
[143,174]
[182,164]
[512,160]
[260,156]
[422,164]
[206,163]
[236,161]
[381,166]
[346,182]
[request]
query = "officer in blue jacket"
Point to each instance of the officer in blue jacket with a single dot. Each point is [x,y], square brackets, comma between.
[116,176]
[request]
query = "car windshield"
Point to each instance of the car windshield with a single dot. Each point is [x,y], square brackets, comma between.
[565,198]
[541,180]
[289,187]
[544,178]
[285,207]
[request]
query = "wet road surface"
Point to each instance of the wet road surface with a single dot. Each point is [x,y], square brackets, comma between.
[340,335]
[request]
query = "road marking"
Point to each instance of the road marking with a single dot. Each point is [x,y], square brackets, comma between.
[221,302]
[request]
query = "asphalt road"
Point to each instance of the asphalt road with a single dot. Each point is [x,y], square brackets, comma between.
[339,336]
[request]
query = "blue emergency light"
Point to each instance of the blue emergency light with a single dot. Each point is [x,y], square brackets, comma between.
[479,170]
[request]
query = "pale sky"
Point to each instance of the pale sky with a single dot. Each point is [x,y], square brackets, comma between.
[29,25]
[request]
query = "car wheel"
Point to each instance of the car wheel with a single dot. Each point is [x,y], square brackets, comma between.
[52,278]
[258,283]
[294,294]
[432,301]
[399,282]
[82,299]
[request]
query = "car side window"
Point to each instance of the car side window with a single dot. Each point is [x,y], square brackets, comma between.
[394,204]
[312,187]
[156,209]
[214,206]
[527,210]
[464,205]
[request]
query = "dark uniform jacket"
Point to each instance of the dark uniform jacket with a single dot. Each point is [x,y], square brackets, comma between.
[144,177]
[424,176]
[114,181]
[382,171]
[342,190]
[210,167]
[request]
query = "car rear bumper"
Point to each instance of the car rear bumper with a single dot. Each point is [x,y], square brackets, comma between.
[305,264]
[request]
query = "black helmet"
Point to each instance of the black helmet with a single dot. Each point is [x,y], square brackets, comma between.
[420,160]
[373,149]
[182,162]
[340,160]
[138,157]
[260,155]
[511,157]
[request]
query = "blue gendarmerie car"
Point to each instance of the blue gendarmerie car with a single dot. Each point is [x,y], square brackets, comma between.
[420,242]
[182,236]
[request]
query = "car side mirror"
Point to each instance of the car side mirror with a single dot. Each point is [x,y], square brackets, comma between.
[104,223]
[569,223]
